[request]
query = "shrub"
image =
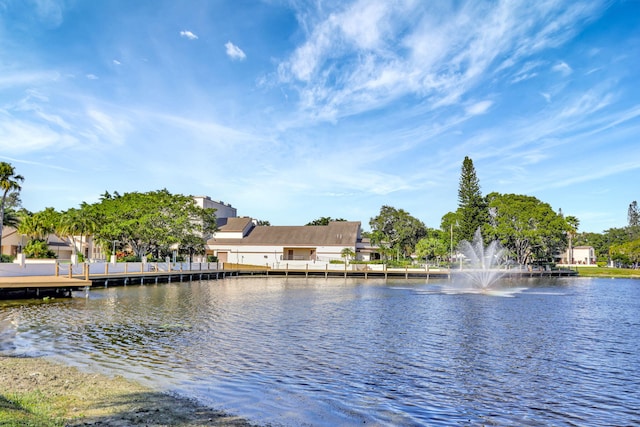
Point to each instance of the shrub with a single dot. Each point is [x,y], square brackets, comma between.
[38,249]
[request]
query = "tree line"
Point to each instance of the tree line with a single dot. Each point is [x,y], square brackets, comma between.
[159,222]
[530,230]
[154,223]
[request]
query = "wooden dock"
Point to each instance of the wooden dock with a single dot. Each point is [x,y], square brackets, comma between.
[64,285]
[40,286]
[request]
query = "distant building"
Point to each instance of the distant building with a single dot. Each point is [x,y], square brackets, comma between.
[580,255]
[223,210]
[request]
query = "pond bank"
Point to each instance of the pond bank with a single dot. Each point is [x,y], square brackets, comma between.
[37,392]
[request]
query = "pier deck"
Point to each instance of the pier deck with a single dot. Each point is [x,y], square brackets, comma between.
[47,285]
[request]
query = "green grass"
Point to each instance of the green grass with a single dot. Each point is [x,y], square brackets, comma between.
[608,272]
[32,409]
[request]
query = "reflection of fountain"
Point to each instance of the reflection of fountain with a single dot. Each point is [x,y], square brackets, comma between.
[485,264]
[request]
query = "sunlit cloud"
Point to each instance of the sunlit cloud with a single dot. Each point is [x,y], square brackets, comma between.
[234,52]
[188,34]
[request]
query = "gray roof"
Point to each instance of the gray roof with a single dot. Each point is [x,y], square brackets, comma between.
[337,233]
[233,224]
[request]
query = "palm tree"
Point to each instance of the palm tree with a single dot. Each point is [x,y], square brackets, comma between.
[9,182]
[77,222]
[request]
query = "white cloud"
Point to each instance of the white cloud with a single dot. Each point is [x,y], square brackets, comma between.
[92,77]
[479,108]
[116,62]
[562,68]
[234,52]
[188,34]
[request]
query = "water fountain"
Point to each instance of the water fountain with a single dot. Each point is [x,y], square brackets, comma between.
[485,265]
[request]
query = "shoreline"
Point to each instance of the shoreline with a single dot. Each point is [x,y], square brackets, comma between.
[37,391]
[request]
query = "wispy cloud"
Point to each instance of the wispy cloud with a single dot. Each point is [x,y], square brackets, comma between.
[407,48]
[234,52]
[92,77]
[188,34]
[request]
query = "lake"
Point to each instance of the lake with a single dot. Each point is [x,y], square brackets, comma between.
[327,352]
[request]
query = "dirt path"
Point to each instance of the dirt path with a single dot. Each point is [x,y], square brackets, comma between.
[83,399]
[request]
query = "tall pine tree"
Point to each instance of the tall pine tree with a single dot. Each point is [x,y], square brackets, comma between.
[633,214]
[472,207]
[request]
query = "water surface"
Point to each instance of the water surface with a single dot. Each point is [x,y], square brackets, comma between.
[325,352]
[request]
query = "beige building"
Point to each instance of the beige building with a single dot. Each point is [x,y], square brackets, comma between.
[579,255]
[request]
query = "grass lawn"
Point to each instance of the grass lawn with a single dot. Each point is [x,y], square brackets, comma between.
[608,272]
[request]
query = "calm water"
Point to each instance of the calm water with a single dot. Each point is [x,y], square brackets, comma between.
[334,352]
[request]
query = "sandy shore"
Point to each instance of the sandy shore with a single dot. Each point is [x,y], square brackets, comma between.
[83,399]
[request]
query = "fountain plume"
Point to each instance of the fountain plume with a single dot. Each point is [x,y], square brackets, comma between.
[484,265]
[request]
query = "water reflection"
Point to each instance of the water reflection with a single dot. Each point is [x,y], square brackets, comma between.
[343,352]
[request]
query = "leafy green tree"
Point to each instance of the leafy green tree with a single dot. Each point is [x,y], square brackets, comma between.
[9,182]
[325,220]
[526,227]
[472,207]
[153,222]
[396,229]
[627,253]
[431,247]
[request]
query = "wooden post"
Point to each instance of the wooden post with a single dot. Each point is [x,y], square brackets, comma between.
[286,273]
[106,268]
[406,272]
[57,268]
[306,270]
[326,271]
[126,267]
[70,270]
[86,272]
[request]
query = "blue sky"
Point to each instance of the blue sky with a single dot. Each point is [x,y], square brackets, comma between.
[293,110]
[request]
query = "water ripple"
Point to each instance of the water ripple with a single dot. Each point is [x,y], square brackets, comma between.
[342,352]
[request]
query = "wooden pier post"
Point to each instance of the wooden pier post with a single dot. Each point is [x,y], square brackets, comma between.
[70,270]
[57,268]
[86,272]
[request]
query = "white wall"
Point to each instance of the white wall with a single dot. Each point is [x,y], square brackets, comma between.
[273,256]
